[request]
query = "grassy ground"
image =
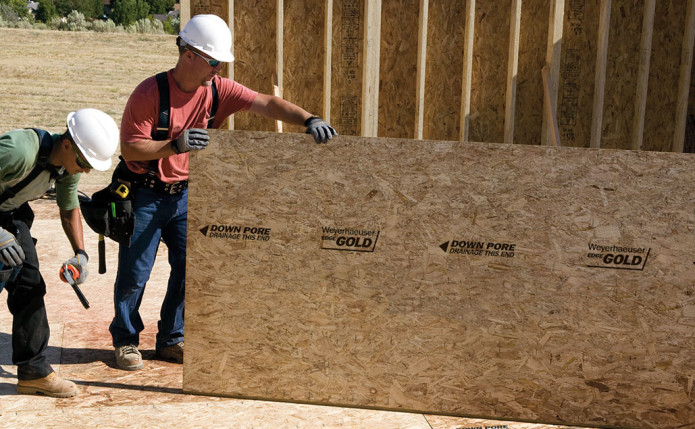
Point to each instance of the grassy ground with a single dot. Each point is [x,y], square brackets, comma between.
[44,75]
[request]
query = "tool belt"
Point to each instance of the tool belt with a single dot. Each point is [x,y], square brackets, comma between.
[109,214]
[147,180]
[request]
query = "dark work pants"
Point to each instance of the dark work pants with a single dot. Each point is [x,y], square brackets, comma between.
[30,330]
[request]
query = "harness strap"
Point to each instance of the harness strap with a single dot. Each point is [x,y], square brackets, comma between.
[45,146]
[161,131]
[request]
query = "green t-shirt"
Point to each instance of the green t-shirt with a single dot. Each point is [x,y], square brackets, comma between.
[19,152]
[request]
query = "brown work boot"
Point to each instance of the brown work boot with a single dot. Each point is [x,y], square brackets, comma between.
[128,357]
[50,385]
[172,353]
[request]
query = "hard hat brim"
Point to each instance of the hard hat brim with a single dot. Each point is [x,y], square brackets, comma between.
[97,164]
[225,57]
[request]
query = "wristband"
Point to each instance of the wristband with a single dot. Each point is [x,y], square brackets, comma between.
[310,120]
[174,147]
[83,253]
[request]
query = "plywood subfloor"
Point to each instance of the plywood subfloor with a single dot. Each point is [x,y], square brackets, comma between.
[80,350]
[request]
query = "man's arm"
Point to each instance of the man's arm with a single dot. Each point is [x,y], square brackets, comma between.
[146,150]
[279,109]
[72,225]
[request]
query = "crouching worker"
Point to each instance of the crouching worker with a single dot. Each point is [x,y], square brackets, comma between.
[31,162]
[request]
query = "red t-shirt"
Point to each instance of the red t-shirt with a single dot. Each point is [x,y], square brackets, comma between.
[188,110]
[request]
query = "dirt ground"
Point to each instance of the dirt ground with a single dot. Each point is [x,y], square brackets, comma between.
[47,74]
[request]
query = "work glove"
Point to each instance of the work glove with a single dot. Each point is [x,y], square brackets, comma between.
[11,253]
[319,129]
[79,261]
[191,139]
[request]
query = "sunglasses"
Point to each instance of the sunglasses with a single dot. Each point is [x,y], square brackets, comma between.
[211,62]
[81,162]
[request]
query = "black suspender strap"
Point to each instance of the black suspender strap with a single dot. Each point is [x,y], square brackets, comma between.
[161,132]
[45,146]
[215,101]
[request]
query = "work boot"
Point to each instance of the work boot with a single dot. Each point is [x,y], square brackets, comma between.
[128,357]
[50,385]
[171,353]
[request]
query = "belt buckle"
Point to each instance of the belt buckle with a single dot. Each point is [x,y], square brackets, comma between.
[173,189]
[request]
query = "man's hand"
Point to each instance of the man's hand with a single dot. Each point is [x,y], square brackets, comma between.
[319,129]
[191,139]
[11,253]
[79,261]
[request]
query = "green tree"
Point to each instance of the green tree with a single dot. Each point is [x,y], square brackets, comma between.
[18,6]
[126,12]
[46,10]
[161,6]
[88,8]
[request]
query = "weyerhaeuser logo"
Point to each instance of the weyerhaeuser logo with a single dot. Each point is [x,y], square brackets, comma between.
[617,257]
[349,239]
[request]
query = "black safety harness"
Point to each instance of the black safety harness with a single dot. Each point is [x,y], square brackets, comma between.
[149,179]
[45,146]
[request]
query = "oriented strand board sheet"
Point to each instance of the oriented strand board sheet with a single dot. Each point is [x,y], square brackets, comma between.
[669,28]
[255,53]
[444,70]
[516,282]
[398,68]
[490,55]
[303,57]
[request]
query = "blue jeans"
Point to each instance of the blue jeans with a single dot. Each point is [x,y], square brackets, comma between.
[157,216]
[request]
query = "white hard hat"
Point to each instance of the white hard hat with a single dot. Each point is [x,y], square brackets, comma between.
[211,35]
[96,135]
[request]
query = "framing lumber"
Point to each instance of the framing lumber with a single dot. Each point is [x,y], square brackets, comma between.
[370,85]
[684,80]
[467,69]
[553,52]
[512,71]
[377,77]
[550,108]
[421,68]
[600,80]
[645,54]
[328,60]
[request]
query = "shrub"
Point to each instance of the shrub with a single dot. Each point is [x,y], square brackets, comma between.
[107,26]
[75,21]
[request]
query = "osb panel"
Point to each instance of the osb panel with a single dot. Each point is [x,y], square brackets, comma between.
[519,282]
[215,7]
[490,54]
[664,72]
[444,70]
[528,113]
[622,68]
[578,72]
[348,62]
[255,55]
[303,58]
[398,68]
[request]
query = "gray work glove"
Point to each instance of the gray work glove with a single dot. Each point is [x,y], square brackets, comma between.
[319,129]
[191,139]
[79,261]
[11,253]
